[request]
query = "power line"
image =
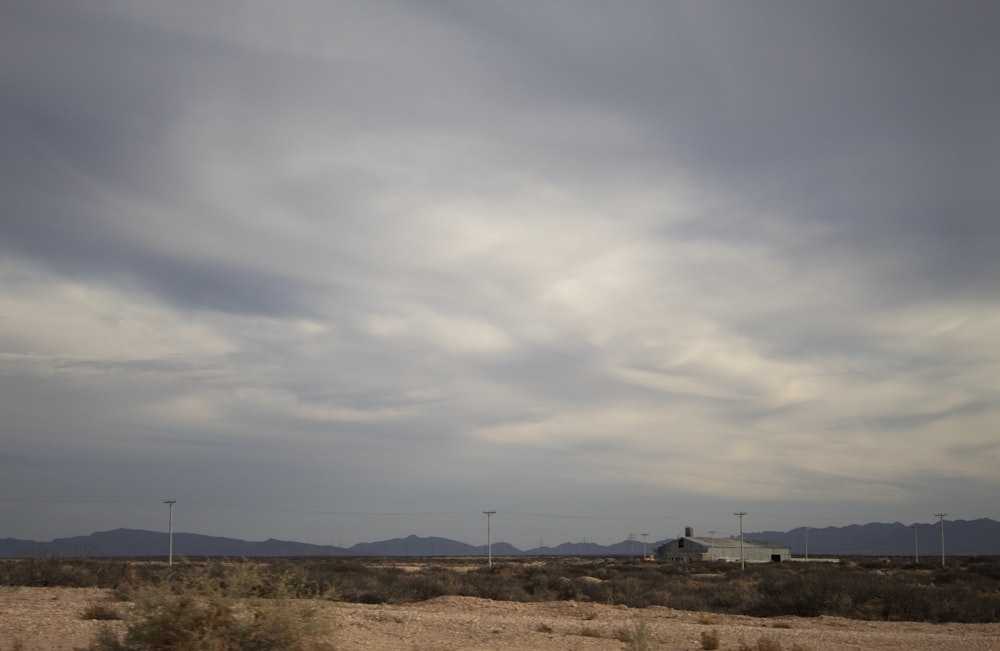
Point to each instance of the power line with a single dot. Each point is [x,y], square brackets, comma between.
[170,531]
[489,536]
[241,507]
[942,517]
[743,564]
[577,516]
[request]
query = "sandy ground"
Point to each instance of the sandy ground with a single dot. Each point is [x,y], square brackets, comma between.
[50,619]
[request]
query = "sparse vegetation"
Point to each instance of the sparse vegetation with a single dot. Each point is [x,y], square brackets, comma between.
[966,591]
[768,644]
[220,607]
[762,644]
[710,639]
[101,611]
[637,638]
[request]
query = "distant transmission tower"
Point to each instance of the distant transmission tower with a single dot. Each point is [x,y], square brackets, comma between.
[489,536]
[743,563]
[170,531]
[942,517]
[644,535]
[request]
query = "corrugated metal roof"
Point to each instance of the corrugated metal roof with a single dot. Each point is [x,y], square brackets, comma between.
[735,543]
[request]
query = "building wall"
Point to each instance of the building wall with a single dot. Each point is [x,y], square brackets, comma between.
[692,550]
[764,554]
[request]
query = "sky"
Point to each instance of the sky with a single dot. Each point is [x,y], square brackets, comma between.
[339,272]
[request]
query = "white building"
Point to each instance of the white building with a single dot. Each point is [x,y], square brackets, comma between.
[689,548]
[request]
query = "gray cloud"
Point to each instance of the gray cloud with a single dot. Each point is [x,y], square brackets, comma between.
[578,260]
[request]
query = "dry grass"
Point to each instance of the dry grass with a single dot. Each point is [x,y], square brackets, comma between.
[638,638]
[768,644]
[221,608]
[101,611]
[967,591]
[710,639]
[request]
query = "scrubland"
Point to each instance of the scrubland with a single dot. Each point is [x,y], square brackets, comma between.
[325,603]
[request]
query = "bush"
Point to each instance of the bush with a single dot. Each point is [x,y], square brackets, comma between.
[639,638]
[219,608]
[762,644]
[101,611]
[710,639]
[46,571]
[966,591]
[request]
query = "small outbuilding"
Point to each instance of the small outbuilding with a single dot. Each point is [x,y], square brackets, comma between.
[690,548]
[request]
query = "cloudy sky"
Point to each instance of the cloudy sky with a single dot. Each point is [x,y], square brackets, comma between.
[337,272]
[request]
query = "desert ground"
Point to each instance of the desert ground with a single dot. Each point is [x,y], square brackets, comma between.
[50,619]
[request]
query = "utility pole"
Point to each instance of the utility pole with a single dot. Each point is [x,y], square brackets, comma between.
[489,536]
[916,545]
[807,542]
[170,531]
[644,557]
[743,563]
[942,517]
[631,546]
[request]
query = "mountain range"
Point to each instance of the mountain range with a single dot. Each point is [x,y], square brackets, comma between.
[143,543]
[962,538]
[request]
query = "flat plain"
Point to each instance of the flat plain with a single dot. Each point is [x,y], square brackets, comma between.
[54,618]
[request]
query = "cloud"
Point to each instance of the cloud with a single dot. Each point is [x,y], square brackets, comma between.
[651,258]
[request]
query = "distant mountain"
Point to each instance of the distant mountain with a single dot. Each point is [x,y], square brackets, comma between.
[623,548]
[961,538]
[416,546]
[12,547]
[138,542]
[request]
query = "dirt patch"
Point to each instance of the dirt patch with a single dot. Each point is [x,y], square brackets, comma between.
[50,619]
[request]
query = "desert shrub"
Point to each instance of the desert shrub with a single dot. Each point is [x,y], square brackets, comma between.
[636,638]
[791,593]
[46,571]
[221,608]
[762,644]
[987,567]
[49,570]
[736,595]
[710,639]
[101,611]
[491,584]
[105,640]
[966,591]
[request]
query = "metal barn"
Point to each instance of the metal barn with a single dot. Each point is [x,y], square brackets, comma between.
[690,548]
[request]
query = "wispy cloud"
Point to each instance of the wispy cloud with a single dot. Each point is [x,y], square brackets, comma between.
[666,260]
